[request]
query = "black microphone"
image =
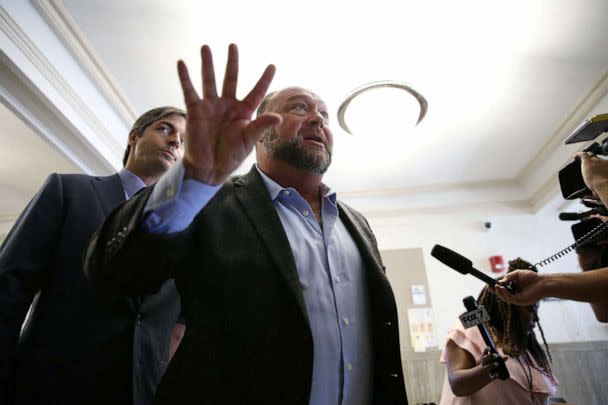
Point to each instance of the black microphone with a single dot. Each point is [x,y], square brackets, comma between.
[463,265]
[575,216]
[502,373]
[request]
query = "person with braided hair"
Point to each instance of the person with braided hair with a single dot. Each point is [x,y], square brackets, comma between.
[470,376]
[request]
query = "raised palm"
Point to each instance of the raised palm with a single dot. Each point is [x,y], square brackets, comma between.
[220,132]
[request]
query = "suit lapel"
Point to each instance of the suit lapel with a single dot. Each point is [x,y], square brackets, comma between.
[109,191]
[253,195]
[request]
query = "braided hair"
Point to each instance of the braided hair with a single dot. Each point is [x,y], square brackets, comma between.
[508,330]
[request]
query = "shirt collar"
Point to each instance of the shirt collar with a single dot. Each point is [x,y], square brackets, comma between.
[275,188]
[130,182]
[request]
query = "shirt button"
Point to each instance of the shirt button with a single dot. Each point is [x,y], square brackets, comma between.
[349,366]
[170,192]
[338,279]
[346,321]
[285,192]
[305,213]
[138,318]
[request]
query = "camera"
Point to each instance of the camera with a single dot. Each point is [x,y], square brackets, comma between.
[571,180]
[588,230]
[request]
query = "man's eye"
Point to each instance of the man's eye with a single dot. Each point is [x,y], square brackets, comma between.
[165,130]
[300,107]
[325,115]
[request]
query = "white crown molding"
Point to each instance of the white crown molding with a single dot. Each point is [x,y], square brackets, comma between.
[64,25]
[20,96]
[545,193]
[42,64]
[480,208]
[431,188]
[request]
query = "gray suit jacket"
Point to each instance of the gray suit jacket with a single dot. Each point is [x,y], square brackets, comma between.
[248,339]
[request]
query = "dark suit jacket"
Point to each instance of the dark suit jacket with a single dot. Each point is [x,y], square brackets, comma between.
[75,347]
[248,339]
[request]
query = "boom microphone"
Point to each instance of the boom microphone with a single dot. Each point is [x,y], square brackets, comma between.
[463,265]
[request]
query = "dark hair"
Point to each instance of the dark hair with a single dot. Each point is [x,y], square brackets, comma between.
[507,330]
[148,118]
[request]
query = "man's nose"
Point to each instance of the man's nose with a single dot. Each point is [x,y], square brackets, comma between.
[174,139]
[316,119]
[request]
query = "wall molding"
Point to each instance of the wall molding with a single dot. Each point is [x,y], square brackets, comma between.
[70,34]
[24,99]
[43,65]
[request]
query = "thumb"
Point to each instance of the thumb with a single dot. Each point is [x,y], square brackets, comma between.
[506,278]
[257,127]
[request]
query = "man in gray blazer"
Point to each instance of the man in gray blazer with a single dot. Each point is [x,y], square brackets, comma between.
[78,348]
[282,286]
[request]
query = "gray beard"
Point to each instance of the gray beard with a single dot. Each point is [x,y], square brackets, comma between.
[293,153]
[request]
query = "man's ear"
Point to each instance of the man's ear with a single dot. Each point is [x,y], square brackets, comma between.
[132,137]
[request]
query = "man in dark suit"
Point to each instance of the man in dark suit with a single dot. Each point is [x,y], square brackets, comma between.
[75,347]
[282,286]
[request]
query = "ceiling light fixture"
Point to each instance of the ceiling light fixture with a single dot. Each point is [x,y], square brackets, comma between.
[383,103]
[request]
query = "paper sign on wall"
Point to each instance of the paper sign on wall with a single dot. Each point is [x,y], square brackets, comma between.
[418,294]
[422,328]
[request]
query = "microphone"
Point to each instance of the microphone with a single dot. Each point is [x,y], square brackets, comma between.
[575,216]
[463,265]
[477,318]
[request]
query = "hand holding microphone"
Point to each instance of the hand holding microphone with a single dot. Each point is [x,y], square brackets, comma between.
[491,361]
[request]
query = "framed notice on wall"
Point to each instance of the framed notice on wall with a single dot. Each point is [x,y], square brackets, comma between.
[422,329]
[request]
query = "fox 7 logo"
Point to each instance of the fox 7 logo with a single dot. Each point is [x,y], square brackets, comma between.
[474,317]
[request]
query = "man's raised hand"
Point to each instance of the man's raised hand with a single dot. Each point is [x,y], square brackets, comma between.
[220,132]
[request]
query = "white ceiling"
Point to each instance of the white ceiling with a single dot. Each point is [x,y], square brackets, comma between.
[503,80]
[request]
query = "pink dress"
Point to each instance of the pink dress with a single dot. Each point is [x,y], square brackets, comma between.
[515,390]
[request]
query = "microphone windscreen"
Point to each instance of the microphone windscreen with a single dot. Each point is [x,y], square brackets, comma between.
[469,303]
[574,216]
[452,259]
[569,216]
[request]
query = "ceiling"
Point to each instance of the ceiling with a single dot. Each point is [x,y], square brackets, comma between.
[505,82]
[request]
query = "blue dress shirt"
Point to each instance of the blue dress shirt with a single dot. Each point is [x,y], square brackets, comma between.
[331,273]
[130,182]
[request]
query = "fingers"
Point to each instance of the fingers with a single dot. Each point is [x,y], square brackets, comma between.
[208,72]
[506,278]
[255,96]
[502,293]
[232,72]
[190,95]
[584,155]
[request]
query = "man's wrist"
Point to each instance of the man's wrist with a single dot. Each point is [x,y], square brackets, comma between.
[205,176]
[550,285]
